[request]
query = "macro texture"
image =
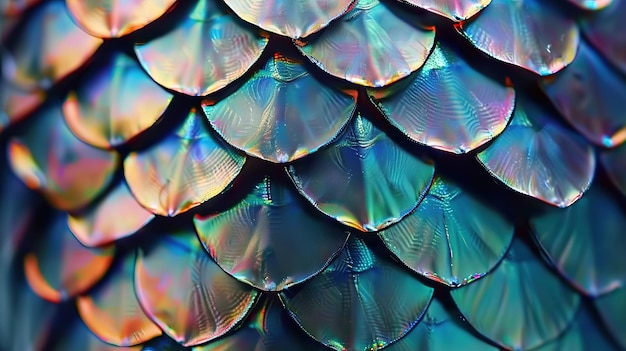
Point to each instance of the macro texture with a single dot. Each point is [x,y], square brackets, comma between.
[357,175]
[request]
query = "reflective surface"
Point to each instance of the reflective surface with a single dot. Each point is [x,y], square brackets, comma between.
[602,29]
[269,240]
[444,241]
[214,49]
[371,45]
[456,10]
[526,33]
[448,105]
[282,113]
[185,169]
[364,180]
[614,162]
[537,157]
[613,311]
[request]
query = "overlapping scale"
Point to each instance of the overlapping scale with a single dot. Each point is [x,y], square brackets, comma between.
[114,103]
[586,250]
[527,33]
[214,49]
[448,105]
[49,158]
[440,330]
[282,113]
[268,240]
[371,45]
[591,4]
[269,329]
[521,305]
[361,301]
[613,312]
[589,95]
[58,267]
[537,157]
[16,103]
[445,241]
[94,226]
[456,10]
[78,337]
[291,18]
[602,28]
[116,18]
[186,293]
[185,169]
[614,161]
[363,180]
[48,49]
[112,312]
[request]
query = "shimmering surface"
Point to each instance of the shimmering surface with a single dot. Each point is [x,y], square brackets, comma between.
[537,157]
[363,180]
[269,240]
[440,330]
[448,105]
[112,311]
[613,312]
[445,241]
[16,103]
[48,49]
[456,10]
[114,103]
[182,171]
[614,161]
[282,113]
[95,227]
[186,293]
[78,337]
[59,267]
[589,94]
[268,329]
[360,302]
[591,4]
[586,241]
[526,33]
[115,18]
[603,29]
[371,45]
[521,304]
[291,18]
[49,158]
[213,49]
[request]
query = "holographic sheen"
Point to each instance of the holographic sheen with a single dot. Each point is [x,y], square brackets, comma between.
[604,28]
[269,240]
[612,309]
[371,45]
[282,113]
[16,103]
[456,10]
[213,49]
[268,329]
[59,268]
[48,49]
[521,305]
[49,158]
[440,330]
[112,312]
[95,227]
[444,241]
[186,293]
[614,161]
[591,4]
[590,94]
[363,180]
[185,169]
[360,302]
[78,337]
[448,105]
[114,103]
[116,18]
[539,158]
[292,18]
[586,241]
[526,33]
